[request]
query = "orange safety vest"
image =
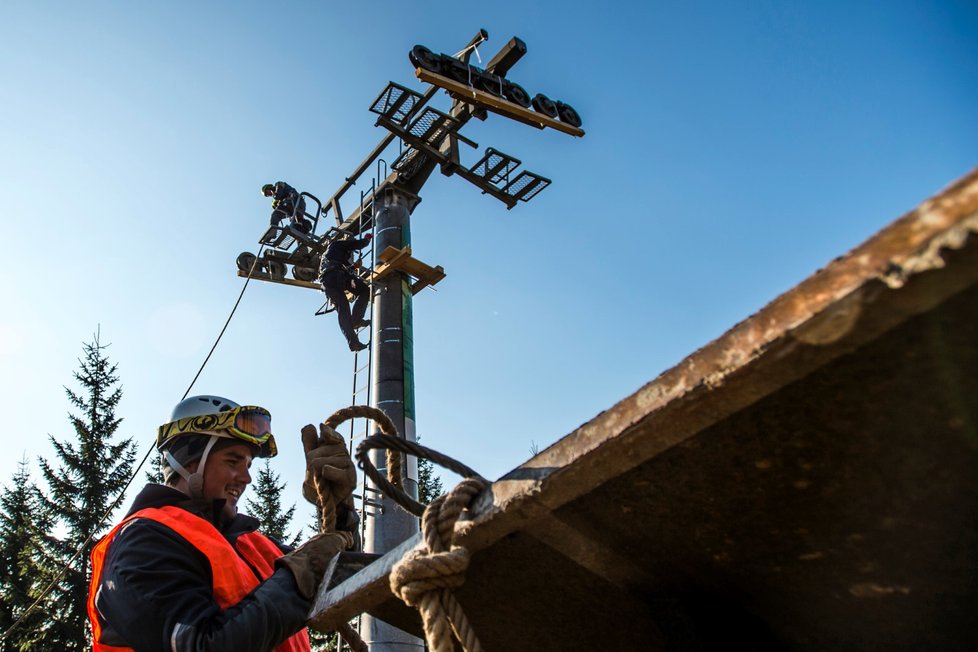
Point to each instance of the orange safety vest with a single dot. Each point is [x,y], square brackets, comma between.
[232,578]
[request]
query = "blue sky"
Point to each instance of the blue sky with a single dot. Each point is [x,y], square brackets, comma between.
[732,149]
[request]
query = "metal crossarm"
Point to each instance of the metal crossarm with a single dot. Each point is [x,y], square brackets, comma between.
[397,103]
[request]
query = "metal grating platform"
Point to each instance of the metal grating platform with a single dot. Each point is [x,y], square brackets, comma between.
[396,103]
[526,186]
[433,126]
[495,167]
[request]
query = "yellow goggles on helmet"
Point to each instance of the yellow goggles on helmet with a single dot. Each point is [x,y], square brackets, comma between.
[249,423]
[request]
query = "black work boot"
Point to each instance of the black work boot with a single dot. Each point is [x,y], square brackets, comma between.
[357,345]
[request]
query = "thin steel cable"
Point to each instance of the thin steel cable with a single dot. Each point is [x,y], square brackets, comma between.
[236,303]
[115,503]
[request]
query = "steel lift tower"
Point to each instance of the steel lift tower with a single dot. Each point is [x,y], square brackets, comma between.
[425,139]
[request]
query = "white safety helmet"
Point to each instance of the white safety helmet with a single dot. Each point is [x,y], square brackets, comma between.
[195,426]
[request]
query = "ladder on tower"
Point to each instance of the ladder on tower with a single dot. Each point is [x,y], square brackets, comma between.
[369,498]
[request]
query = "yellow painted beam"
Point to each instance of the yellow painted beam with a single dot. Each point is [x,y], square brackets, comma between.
[262,276]
[400,260]
[497,104]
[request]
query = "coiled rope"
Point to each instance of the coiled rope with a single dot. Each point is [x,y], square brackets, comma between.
[387,485]
[326,502]
[424,578]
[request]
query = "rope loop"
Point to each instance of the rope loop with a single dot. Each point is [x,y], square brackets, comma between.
[327,505]
[396,464]
[424,578]
[419,572]
[411,448]
[383,421]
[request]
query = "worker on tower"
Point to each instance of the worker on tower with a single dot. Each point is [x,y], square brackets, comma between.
[338,276]
[185,571]
[287,203]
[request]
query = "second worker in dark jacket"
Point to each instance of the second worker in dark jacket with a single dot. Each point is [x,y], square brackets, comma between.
[287,203]
[337,276]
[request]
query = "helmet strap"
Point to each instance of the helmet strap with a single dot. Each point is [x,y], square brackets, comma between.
[195,480]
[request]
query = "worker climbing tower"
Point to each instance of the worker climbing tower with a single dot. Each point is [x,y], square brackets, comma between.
[420,139]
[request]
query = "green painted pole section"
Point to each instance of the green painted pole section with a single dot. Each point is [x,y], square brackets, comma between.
[392,391]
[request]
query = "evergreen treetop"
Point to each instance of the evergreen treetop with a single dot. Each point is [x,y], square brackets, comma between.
[22,525]
[267,505]
[92,471]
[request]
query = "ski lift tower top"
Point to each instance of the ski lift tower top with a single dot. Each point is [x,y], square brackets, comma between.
[427,138]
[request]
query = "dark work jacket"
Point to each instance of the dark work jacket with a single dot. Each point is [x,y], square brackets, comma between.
[156,588]
[335,265]
[285,196]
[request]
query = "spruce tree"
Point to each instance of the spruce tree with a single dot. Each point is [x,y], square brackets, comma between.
[267,506]
[92,471]
[154,471]
[22,524]
[429,484]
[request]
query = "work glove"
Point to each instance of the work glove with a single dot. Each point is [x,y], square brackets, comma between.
[328,460]
[308,562]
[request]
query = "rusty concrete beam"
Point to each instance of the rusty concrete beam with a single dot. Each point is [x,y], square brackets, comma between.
[909,268]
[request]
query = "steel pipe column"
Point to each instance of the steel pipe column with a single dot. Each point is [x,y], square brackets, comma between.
[392,391]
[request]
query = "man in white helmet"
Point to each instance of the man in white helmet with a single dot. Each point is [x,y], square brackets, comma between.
[185,571]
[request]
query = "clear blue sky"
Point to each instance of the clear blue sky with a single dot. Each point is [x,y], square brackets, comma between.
[732,149]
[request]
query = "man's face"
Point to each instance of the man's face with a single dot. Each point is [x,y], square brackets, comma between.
[226,476]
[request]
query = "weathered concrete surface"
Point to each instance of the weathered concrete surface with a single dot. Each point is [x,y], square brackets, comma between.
[807,481]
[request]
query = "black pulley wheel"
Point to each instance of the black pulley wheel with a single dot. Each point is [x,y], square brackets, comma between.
[458,71]
[515,94]
[303,273]
[245,260]
[276,269]
[568,115]
[490,83]
[422,57]
[545,105]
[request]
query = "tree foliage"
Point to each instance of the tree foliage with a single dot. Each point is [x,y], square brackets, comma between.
[154,471]
[267,506]
[91,472]
[22,525]
[429,484]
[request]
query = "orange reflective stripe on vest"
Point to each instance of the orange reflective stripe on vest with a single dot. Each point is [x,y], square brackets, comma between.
[232,578]
[260,552]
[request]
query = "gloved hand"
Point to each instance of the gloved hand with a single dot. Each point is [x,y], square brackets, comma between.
[369,236]
[328,460]
[308,562]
